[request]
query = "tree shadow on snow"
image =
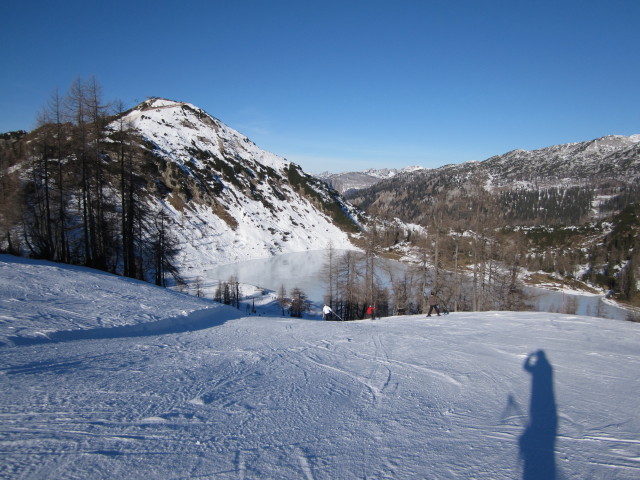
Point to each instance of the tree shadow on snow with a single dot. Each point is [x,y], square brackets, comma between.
[537,442]
[198,320]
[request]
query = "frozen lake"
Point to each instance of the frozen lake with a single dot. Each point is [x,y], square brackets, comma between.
[304,270]
[589,305]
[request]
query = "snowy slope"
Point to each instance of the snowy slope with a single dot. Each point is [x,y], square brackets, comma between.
[174,126]
[266,397]
[42,299]
[614,157]
[611,157]
[240,204]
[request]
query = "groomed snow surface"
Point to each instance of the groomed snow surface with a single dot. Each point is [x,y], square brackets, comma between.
[103,377]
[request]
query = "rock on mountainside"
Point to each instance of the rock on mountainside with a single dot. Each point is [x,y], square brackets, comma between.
[229,199]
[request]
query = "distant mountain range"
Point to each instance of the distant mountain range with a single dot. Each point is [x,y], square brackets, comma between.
[608,168]
[348,182]
[614,157]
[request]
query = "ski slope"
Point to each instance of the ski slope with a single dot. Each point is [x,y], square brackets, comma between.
[103,377]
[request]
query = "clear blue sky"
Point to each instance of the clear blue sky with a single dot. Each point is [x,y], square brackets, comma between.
[349,84]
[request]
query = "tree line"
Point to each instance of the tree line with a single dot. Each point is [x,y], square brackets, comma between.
[493,235]
[75,192]
[467,269]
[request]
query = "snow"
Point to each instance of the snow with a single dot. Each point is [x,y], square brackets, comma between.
[292,224]
[135,381]
[174,125]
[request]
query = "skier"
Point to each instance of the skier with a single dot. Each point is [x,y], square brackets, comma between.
[371,312]
[433,303]
[326,312]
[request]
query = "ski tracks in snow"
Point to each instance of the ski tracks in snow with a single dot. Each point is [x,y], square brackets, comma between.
[322,400]
[367,373]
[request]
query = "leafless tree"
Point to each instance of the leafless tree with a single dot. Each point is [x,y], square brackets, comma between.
[299,303]
[329,274]
[283,301]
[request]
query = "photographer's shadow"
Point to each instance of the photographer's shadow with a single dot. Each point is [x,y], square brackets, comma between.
[537,442]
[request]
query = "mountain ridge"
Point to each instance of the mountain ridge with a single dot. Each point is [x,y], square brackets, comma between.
[162,187]
[591,153]
[238,202]
[225,200]
[607,166]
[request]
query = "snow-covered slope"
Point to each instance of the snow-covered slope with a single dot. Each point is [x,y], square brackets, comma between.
[177,128]
[495,395]
[42,299]
[614,157]
[229,199]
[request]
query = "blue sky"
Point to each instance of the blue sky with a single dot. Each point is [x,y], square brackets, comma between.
[344,85]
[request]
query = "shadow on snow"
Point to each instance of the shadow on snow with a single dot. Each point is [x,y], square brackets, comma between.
[198,320]
[537,442]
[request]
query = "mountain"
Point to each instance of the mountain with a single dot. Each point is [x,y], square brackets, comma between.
[106,377]
[607,168]
[349,182]
[571,211]
[614,158]
[167,189]
[164,178]
[611,157]
[232,200]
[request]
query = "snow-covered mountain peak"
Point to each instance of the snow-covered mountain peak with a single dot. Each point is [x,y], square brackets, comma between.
[179,127]
[229,199]
[158,103]
[612,156]
[413,168]
[614,142]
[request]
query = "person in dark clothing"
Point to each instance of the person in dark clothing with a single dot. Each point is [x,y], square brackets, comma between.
[433,304]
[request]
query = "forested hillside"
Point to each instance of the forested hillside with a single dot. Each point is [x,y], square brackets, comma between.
[151,191]
[569,210]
